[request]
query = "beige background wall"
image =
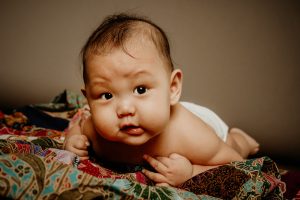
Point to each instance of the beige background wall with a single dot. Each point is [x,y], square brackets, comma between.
[240,58]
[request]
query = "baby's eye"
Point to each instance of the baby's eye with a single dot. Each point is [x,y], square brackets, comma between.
[140,90]
[106,96]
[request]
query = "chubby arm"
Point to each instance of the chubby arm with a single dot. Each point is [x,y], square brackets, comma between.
[173,170]
[76,141]
[199,145]
[176,169]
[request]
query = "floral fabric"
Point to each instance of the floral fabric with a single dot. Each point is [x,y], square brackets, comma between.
[34,166]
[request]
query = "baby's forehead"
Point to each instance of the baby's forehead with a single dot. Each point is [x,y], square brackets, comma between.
[110,68]
[136,54]
[137,33]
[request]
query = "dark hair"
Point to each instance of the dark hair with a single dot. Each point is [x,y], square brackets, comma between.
[115,30]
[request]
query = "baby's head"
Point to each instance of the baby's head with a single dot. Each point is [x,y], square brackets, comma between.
[130,83]
[117,30]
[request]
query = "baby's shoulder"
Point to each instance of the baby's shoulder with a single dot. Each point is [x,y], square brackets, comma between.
[191,131]
[183,120]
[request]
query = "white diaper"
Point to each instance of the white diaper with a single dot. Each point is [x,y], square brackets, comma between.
[209,117]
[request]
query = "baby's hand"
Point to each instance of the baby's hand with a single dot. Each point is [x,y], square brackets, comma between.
[78,144]
[173,170]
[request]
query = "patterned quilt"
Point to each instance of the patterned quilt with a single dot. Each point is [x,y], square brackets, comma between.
[34,166]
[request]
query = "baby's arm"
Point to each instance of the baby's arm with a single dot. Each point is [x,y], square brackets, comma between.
[77,142]
[173,170]
[176,169]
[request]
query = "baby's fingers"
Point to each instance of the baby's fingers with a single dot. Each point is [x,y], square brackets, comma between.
[156,164]
[81,144]
[80,152]
[84,157]
[156,177]
[162,184]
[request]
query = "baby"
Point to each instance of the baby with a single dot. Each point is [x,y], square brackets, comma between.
[133,92]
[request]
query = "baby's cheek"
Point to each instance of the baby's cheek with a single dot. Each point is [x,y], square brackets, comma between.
[105,126]
[156,120]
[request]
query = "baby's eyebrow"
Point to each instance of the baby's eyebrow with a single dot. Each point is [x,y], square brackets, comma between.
[139,73]
[99,81]
[132,75]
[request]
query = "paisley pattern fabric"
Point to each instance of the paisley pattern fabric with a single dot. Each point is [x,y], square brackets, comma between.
[34,166]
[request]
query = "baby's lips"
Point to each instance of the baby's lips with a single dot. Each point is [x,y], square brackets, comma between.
[132,130]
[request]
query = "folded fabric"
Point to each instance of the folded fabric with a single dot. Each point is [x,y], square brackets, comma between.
[67,100]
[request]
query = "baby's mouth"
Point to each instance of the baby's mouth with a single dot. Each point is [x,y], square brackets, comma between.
[132,130]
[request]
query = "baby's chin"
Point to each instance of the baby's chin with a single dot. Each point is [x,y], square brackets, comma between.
[135,141]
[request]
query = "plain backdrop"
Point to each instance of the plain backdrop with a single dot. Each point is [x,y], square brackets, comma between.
[239,58]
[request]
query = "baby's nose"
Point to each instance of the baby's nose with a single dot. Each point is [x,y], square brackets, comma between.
[125,108]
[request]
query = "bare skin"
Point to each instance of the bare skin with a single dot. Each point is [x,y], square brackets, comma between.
[136,116]
[162,148]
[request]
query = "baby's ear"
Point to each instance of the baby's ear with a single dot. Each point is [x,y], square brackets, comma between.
[175,86]
[83,91]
